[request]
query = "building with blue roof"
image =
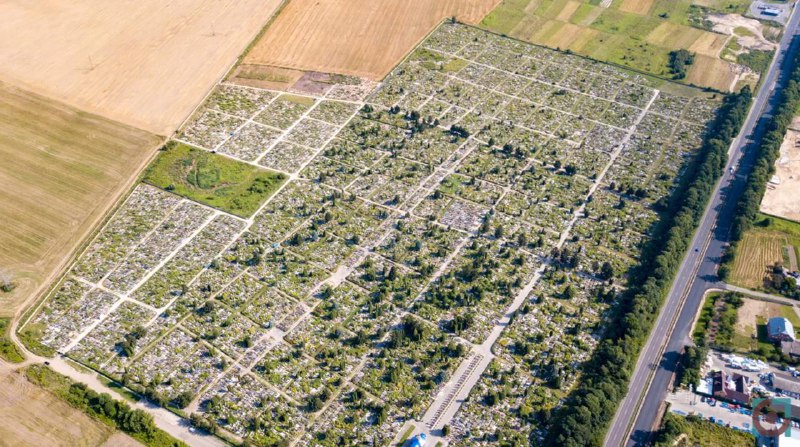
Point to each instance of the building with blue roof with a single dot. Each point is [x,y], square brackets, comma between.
[780,329]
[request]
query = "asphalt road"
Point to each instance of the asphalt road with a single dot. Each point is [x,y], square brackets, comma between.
[633,423]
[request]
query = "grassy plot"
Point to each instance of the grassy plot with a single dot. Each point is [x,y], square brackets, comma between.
[8,350]
[217,181]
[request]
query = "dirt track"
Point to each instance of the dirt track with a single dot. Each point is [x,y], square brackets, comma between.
[146,63]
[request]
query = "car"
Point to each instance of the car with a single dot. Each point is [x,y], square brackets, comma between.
[46,363]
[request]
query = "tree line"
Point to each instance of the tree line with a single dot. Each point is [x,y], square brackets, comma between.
[584,417]
[135,422]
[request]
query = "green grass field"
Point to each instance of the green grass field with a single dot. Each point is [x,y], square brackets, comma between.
[211,179]
[8,350]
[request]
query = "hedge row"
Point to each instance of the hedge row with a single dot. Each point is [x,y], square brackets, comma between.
[584,417]
[769,150]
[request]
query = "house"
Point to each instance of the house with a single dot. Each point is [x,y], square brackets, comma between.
[780,329]
[791,348]
[734,388]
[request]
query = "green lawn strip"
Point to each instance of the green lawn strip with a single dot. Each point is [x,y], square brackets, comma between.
[699,432]
[212,179]
[136,423]
[406,435]
[8,350]
[127,394]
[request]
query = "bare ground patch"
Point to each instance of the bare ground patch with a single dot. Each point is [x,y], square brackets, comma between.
[781,198]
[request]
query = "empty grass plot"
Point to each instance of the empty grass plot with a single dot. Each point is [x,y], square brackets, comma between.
[212,179]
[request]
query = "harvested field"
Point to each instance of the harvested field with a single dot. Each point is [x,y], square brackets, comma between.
[143,63]
[120,439]
[356,37]
[636,6]
[710,44]
[781,198]
[755,253]
[61,171]
[33,417]
[668,34]
[565,36]
[712,72]
[569,8]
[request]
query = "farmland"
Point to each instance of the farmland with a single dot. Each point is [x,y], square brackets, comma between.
[771,241]
[33,417]
[483,177]
[639,33]
[62,169]
[145,64]
[362,38]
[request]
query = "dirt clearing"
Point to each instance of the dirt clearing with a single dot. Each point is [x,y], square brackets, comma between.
[62,169]
[749,32]
[144,63]
[782,198]
[356,37]
[30,416]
